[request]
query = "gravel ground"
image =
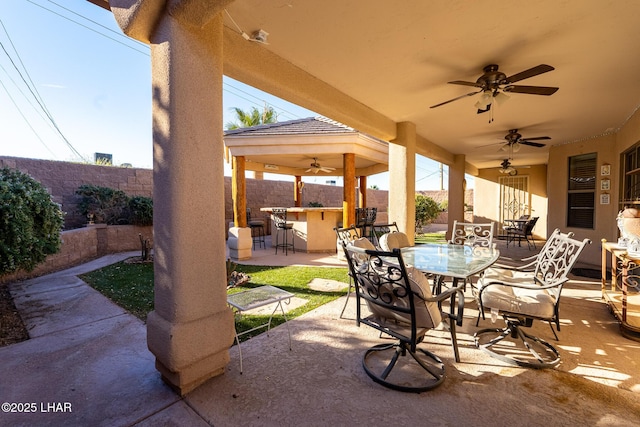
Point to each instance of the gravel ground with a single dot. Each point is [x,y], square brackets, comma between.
[12,330]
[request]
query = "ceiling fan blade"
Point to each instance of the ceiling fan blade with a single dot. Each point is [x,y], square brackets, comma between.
[455,99]
[533,144]
[532,90]
[540,69]
[538,138]
[463,83]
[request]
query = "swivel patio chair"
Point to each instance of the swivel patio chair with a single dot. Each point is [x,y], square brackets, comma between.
[401,305]
[521,297]
[346,236]
[285,228]
[523,231]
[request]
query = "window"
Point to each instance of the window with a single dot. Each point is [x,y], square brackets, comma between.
[582,191]
[631,177]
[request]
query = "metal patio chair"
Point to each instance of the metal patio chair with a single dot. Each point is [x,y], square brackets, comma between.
[521,297]
[401,306]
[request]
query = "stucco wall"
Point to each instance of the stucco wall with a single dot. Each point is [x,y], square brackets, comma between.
[487,196]
[605,215]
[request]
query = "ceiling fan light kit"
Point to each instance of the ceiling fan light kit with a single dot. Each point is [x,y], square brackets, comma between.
[507,168]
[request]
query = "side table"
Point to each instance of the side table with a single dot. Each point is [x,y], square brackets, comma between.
[259,297]
[622,294]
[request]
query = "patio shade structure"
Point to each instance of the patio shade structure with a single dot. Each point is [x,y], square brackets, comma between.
[291,147]
[376,69]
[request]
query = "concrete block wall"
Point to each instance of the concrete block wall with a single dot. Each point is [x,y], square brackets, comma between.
[267,193]
[84,244]
[62,179]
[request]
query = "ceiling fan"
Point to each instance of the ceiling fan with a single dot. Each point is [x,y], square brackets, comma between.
[495,84]
[507,168]
[515,140]
[316,167]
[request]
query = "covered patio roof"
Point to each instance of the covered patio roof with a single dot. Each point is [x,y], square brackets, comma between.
[290,147]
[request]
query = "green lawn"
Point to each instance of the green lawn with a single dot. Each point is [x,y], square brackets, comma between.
[131,287]
[430,238]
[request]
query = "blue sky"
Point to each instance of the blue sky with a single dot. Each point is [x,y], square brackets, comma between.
[71,84]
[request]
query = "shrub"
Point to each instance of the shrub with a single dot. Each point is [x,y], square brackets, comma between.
[30,222]
[106,205]
[426,210]
[141,210]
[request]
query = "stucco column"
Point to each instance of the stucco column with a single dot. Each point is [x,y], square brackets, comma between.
[362,192]
[191,328]
[457,188]
[349,189]
[402,175]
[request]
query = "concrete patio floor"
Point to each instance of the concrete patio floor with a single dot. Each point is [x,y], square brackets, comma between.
[89,355]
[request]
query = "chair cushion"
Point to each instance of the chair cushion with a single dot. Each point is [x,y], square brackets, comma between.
[363,243]
[393,240]
[496,274]
[428,314]
[528,302]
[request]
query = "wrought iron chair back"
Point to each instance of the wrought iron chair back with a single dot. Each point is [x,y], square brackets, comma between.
[472,234]
[380,229]
[280,217]
[347,234]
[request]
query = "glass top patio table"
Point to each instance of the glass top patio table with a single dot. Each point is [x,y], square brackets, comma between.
[457,261]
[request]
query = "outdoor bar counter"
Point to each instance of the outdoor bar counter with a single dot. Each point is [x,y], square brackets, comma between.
[312,227]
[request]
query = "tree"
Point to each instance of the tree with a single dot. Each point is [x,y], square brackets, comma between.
[426,210]
[30,222]
[252,118]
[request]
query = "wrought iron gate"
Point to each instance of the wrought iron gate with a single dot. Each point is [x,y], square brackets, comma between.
[514,197]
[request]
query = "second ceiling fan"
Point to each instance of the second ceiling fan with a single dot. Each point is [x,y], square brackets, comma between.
[515,140]
[316,167]
[494,84]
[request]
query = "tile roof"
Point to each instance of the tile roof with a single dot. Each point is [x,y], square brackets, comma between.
[310,125]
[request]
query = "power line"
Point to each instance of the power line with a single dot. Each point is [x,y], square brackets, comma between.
[38,100]
[261,100]
[92,29]
[118,33]
[25,119]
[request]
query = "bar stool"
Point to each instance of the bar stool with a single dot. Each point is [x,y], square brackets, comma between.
[365,218]
[257,230]
[282,226]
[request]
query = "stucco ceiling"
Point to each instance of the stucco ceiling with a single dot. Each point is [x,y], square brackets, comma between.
[397,57]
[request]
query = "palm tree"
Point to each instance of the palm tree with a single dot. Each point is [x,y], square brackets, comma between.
[253,118]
